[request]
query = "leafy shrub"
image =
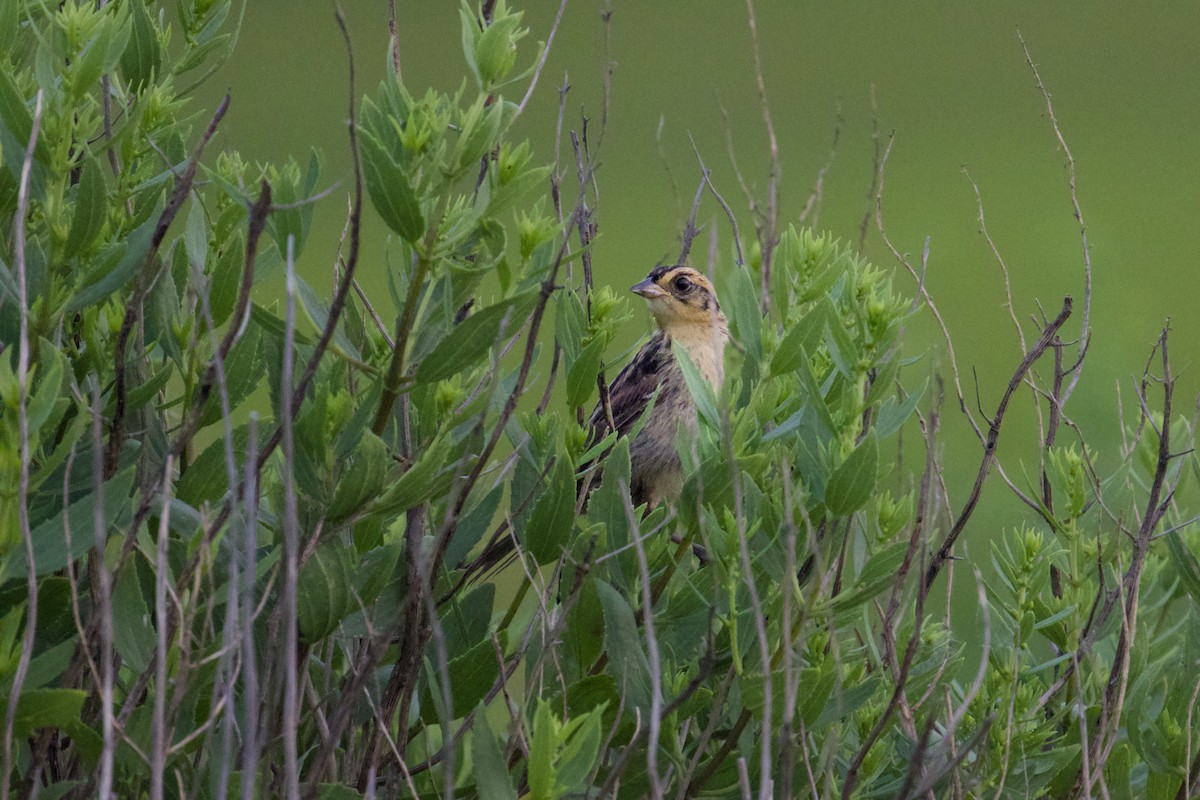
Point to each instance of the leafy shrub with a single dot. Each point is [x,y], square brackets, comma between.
[208,589]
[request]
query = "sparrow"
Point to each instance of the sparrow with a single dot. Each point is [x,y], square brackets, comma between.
[685,309]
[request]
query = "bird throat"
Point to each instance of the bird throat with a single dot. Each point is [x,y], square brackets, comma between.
[706,347]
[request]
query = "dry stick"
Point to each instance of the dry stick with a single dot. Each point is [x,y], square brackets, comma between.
[257,224]
[103,604]
[258,217]
[813,204]
[395,36]
[922,290]
[500,684]
[876,172]
[760,618]
[23,357]
[622,762]
[1193,773]
[250,741]
[1085,335]
[686,778]
[767,235]
[537,72]
[1156,508]
[1100,612]
[158,729]
[183,187]
[977,684]
[989,447]
[371,654]
[291,569]
[737,238]
[897,694]
[229,668]
[586,227]
[689,229]
[655,661]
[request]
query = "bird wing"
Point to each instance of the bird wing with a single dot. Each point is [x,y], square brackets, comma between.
[630,392]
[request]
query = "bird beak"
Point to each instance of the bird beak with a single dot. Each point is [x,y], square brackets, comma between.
[647,289]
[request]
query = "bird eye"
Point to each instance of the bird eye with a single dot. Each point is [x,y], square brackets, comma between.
[682,284]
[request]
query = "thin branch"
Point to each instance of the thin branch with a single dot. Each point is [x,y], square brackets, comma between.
[537,72]
[767,235]
[989,447]
[1085,335]
[25,456]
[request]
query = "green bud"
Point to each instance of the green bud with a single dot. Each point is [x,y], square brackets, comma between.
[534,229]
[511,160]
[448,395]
[496,47]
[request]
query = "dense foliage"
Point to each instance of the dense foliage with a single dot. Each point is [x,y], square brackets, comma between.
[246,555]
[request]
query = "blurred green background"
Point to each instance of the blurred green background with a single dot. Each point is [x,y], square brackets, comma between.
[949,78]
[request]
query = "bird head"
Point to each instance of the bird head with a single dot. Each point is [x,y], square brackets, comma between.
[681,299]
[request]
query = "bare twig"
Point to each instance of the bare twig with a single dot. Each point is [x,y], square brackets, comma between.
[25,456]
[737,238]
[989,446]
[767,234]
[922,290]
[1085,335]
[537,72]
[183,186]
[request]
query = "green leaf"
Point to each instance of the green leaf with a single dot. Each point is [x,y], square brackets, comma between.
[1185,564]
[99,55]
[391,192]
[607,505]
[801,338]
[44,708]
[377,570]
[323,592]
[1117,777]
[467,619]
[744,315]
[541,753]
[853,481]
[570,323]
[206,479]
[878,573]
[842,350]
[700,389]
[195,237]
[99,285]
[517,187]
[549,529]
[414,485]
[17,119]
[226,278]
[575,761]
[47,394]
[318,314]
[626,660]
[50,538]
[581,375]
[492,780]
[472,526]
[133,631]
[91,197]
[363,481]
[472,338]
[142,59]
[893,414]
[10,25]
[471,677]
[244,370]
